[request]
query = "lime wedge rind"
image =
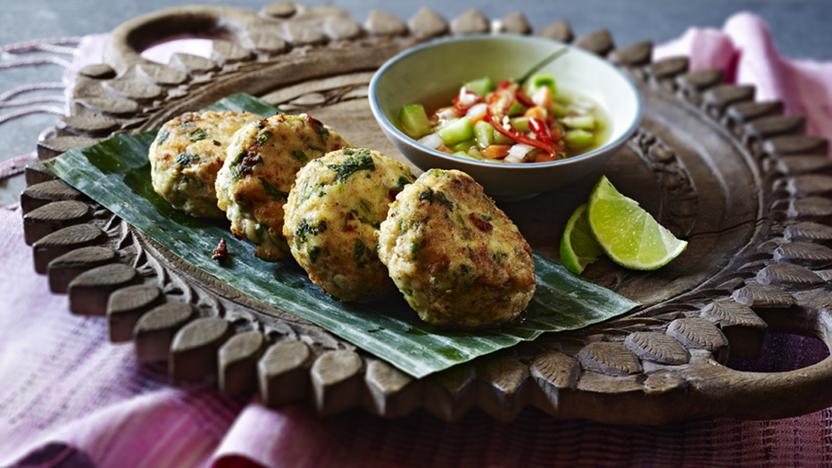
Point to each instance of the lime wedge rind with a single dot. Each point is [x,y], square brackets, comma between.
[578,247]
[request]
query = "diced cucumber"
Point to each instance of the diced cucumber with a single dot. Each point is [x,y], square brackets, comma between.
[576,111]
[584,122]
[500,139]
[559,110]
[516,109]
[414,120]
[539,81]
[481,86]
[484,133]
[521,124]
[474,153]
[463,146]
[563,99]
[462,154]
[456,131]
[577,139]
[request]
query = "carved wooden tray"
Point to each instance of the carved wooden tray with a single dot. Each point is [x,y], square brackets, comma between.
[734,176]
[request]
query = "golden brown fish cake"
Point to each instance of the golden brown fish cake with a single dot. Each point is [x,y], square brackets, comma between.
[259,170]
[332,219]
[186,155]
[458,259]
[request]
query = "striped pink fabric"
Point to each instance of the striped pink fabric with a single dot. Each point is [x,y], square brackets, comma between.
[16,165]
[70,398]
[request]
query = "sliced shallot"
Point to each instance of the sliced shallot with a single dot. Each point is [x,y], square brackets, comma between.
[432,140]
[477,110]
[517,152]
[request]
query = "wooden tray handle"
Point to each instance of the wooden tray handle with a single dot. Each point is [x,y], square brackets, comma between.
[783,394]
[129,39]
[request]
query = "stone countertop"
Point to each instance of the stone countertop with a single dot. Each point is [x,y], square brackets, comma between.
[800,29]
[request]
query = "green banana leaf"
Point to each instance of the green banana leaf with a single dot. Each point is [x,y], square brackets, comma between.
[116,173]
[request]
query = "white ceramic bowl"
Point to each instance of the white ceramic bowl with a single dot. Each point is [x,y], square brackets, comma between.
[438,68]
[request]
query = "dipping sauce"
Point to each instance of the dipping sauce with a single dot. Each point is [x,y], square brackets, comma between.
[527,122]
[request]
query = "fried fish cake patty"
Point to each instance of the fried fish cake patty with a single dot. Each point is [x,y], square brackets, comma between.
[186,155]
[458,259]
[332,220]
[259,170]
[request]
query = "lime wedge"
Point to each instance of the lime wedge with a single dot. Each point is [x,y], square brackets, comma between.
[630,236]
[578,248]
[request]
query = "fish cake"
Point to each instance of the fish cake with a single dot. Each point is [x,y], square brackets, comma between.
[332,220]
[259,170]
[186,155]
[460,262]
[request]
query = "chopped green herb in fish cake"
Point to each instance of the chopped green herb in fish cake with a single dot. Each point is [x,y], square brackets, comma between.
[430,196]
[246,164]
[359,160]
[365,214]
[323,132]
[162,137]
[238,159]
[361,254]
[299,155]
[273,192]
[443,200]
[186,159]
[305,191]
[198,134]
[498,257]
[417,245]
[305,229]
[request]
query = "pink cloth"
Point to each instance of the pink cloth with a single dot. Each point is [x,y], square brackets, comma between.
[745,51]
[70,397]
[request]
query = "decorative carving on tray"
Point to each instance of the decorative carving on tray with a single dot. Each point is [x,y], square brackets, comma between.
[662,362]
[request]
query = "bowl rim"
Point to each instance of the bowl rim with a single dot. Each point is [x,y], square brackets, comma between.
[392,129]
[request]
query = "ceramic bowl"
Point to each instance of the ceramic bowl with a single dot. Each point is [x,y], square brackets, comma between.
[435,70]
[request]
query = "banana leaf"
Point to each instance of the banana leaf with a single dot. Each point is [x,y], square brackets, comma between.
[116,174]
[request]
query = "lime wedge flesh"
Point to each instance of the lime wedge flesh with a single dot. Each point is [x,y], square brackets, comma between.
[578,247]
[629,235]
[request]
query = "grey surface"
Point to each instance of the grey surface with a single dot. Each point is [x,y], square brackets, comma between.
[801,28]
